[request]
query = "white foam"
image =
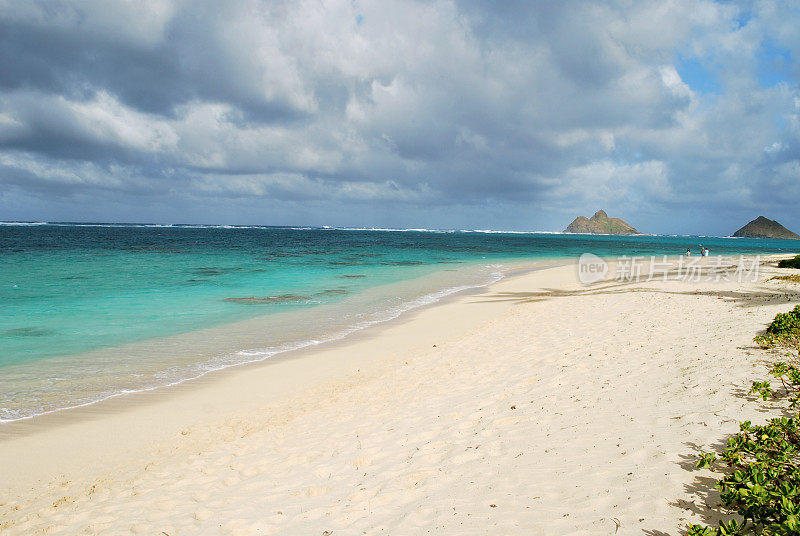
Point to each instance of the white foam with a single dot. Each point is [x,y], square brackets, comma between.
[177,375]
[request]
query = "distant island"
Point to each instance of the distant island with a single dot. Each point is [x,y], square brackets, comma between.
[600,223]
[762,227]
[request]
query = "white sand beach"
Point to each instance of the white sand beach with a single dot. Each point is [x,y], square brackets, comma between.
[537,406]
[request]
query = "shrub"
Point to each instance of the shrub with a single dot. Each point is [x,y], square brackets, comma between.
[790,263]
[762,480]
[784,329]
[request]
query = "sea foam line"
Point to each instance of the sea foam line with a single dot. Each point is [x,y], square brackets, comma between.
[255,356]
[332,228]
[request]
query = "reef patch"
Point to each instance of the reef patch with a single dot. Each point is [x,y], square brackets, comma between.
[285,298]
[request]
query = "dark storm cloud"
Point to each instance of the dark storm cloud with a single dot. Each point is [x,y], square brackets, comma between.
[564,106]
[185,65]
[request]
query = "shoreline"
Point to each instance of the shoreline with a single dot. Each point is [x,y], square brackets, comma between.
[11,428]
[117,443]
[126,403]
[250,325]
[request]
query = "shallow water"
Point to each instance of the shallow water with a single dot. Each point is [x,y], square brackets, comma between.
[91,311]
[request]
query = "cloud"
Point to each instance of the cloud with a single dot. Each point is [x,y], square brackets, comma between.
[547,109]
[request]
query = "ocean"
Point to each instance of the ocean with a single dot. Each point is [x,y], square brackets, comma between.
[92,311]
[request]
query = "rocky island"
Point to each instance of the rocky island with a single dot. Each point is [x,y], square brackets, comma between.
[762,227]
[600,223]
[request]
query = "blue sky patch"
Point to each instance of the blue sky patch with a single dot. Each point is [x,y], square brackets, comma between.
[774,64]
[698,76]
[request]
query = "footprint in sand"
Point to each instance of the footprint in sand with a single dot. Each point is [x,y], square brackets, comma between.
[256,528]
[257,485]
[250,472]
[316,491]
[230,481]
[415,480]
[322,472]
[362,495]
[203,514]
[420,518]
[386,497]
[198,496]
[361,462]
[234,526]
[507,422]
[277,518]
[495,449]
[316,513]
[97,526]
[466,457]
[165,505]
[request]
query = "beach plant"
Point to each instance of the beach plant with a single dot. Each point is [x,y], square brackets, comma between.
[783,330]
[790,263]
[760,466]
[786,323]
[761,480]
[788,373]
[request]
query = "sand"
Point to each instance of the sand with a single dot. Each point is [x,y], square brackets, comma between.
[538,406]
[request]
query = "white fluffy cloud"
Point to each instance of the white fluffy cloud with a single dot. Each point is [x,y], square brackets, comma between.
[546,109]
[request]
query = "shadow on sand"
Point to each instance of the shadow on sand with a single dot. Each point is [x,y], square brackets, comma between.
[706,503]
[745,298]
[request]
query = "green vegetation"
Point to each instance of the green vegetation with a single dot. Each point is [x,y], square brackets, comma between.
[790,263]
[760,465]
[784,330]
[761,476]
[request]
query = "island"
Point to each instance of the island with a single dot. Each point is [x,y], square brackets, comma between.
[762,227]
[600,223]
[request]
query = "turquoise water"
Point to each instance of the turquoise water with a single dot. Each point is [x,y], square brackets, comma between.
[92,311]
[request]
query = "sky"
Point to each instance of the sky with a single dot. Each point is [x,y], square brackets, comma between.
[680,116]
